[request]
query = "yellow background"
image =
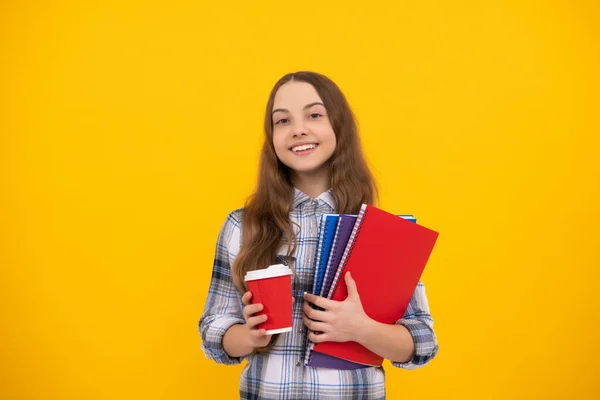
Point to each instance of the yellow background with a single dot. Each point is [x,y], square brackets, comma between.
[129,130]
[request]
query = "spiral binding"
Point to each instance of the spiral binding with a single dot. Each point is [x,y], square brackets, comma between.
[319,251]
[321,254]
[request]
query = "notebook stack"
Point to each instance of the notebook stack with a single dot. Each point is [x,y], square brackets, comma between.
[386,254]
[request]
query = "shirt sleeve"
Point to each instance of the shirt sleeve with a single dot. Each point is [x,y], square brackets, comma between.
[418,321]
[224,306]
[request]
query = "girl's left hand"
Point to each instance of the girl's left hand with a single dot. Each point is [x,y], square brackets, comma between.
[341,321]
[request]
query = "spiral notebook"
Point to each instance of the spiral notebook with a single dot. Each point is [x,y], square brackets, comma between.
[386,256]
[342,235]
[345,226]
[327,227]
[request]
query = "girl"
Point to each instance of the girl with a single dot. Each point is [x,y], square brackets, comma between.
[311,163]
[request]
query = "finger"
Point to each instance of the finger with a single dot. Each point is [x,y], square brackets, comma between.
[320,338]
[247,297]
[351,284]
[254,321]
[315,325]
[252,309]
[259,333]
[319,301]
[315,314]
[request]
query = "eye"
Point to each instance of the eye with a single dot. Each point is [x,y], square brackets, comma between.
[281,121]
[315,116]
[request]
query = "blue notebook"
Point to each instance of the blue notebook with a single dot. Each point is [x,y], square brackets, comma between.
[327,228]
[342,234]
[408,217]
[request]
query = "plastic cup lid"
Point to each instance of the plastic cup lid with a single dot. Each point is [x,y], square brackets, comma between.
[270,272]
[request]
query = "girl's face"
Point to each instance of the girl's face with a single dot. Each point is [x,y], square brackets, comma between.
[302,134]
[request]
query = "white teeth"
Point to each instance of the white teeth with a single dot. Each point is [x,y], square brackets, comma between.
[304,147]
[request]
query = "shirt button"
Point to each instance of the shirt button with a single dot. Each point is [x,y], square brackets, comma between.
[299,363]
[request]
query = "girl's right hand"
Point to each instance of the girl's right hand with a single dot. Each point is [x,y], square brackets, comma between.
[258,337]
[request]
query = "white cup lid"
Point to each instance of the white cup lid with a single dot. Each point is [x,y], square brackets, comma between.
[270,272]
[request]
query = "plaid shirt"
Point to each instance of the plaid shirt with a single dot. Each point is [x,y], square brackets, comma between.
[280,373]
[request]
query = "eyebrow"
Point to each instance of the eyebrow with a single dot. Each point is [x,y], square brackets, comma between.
[317,103]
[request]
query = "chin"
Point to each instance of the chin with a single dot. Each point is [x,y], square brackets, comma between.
[307,170]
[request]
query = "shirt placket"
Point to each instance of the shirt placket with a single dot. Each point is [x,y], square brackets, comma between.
[312,219]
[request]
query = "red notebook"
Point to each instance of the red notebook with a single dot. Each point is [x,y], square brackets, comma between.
[386,256]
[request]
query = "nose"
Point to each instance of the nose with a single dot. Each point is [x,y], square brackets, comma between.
[299,129]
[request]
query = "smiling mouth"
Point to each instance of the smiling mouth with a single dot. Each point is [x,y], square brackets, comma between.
[304,147]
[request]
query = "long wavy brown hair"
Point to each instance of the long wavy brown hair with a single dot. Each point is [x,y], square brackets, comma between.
[266,222]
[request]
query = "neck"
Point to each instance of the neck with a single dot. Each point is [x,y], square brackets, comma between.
[313,184]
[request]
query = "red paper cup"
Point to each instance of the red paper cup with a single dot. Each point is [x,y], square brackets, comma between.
[272,287]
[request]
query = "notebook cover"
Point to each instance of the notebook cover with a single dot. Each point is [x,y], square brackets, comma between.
[387,256]
[320,360]
[327,229]
[342,235]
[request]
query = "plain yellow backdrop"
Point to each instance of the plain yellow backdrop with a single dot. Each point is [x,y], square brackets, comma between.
[129,129]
